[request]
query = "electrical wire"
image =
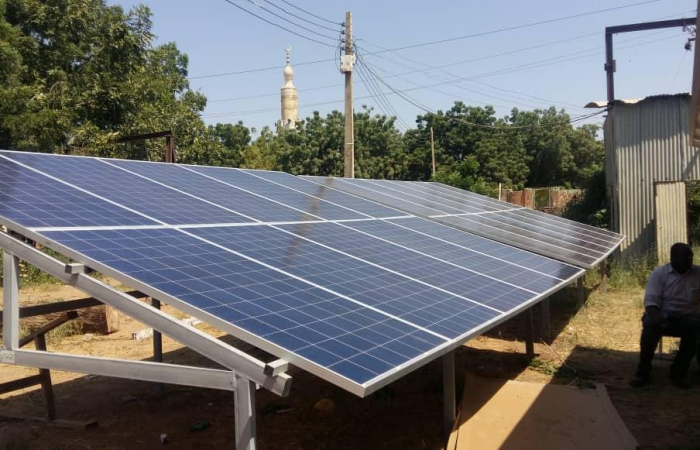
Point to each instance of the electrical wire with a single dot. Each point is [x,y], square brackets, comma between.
[310,13]
[512,28]
[541,63]
[275,25]
[301,18]
[401,48]
[289,21]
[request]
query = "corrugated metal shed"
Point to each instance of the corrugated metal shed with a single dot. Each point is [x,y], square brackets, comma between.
[645,142]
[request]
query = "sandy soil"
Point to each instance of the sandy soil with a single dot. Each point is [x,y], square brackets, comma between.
[595,344]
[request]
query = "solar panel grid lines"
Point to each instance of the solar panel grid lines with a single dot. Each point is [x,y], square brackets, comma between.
[427,197]
[300,184]
[179,191]
[374,286]
[538,215]
[3,154]
[336,237]
[210,190]
[476,214]
[391,201]
[475,225]
[384,267]
[336,283]
[483,246]
[530,230]
[35,200]
[469,210]
[126,190]
[419,342]
[585,242]
[467,258]
[289,197]
[436,190]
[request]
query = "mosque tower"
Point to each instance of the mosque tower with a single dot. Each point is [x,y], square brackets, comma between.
[289,97]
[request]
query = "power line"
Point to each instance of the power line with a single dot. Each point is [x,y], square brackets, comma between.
[302,18]
[289,21]
[309,13]
[275,25]
[515,27]
[541,63]
[223,74]
[263,69]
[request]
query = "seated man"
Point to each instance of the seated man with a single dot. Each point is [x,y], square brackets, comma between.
[672,306]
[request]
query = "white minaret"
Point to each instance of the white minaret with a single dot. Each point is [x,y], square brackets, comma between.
[289,97]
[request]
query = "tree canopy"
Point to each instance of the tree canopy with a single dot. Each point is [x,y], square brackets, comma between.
[78,74]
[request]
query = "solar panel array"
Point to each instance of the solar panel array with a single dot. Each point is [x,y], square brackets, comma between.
[546,234]
[346,288]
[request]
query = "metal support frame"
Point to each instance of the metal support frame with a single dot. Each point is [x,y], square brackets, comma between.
[529,334]
[244,403]
[243,374]
[449,391]
[580,294]
[610,66]
[158,348]
[545,328]
[10,298]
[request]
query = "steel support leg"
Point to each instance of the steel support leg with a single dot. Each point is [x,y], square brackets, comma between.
[10,298]
[158,349]
[581,295]
[529,334]
[449,391]
[46,385]
[244,404]
[546,325]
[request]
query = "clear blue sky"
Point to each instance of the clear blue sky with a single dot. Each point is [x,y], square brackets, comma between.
[220,38]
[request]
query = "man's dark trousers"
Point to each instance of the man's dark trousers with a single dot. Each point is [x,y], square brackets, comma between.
[685,327]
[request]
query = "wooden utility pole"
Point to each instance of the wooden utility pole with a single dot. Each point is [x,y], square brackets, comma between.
[432,148]
[346,67]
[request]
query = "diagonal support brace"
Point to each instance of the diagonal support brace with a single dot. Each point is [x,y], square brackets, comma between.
[232,358]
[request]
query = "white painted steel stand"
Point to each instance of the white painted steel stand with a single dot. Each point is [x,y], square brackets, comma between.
[244,404]
[449,391]
[242,373]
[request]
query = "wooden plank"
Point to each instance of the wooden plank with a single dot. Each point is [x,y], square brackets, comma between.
[70,315]
[69,305]
[22,383]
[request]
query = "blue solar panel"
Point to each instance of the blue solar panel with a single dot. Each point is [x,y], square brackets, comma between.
[453,279]
[541,233]
[495,249]
[392,293]
[298,200]
[326,329]
[129,190]
[485,262]
[353,202]
[368,193]
[240,200]
[357,299]
[34,200]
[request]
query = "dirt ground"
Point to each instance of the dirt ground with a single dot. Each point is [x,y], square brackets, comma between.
[596,344]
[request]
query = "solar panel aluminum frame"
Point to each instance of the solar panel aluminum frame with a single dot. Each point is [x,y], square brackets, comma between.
[238,362]
[361,390]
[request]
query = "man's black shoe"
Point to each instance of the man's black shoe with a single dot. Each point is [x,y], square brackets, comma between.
[638,381]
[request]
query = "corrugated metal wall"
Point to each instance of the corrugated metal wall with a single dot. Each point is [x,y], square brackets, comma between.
[645,142]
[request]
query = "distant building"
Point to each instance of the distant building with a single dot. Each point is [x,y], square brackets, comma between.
[290,100]
[648,159]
